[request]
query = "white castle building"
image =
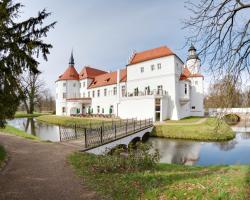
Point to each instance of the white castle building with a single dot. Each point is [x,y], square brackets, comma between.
[154,84]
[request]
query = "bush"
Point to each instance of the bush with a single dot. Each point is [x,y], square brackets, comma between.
[231,119]
[134,159]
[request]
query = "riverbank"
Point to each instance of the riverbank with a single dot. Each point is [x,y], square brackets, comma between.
[70,121]
[210,129]
[15,131]
[2,155]
[165,181]
[24,114]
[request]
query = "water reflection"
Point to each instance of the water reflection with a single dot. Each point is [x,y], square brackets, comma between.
[41,130]
[204,153]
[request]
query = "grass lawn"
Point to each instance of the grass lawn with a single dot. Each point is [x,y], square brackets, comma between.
[185,120]
[24,114]
[210,130]
[14,131]
[166,181]
[69,121]
[2,155]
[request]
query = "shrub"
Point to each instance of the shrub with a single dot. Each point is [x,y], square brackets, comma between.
[134,159]
[231,119]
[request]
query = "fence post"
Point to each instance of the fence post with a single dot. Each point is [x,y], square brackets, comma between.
[101,136]
[75,132]
[60,134]
[126,127]
[134,125]
[85,135]
[115,130]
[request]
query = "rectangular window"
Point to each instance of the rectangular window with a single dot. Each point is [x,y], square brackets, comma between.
[114,91]
[159,89]
[93,94]
[159,65]
[83,84]
[98,93]
[102,110]
[193,107]
[83,94]
[142,69]
[152,67]
[64,84]
[105,92]
[98,109]
[88,94]
[185,89]
[63,109]
[74,84]
[64,95]
[80,85]
[123,90]
[136,91]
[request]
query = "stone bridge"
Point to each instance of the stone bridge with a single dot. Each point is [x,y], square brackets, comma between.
[242,113]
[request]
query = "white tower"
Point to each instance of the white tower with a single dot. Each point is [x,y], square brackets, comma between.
[193,61]
[67,86]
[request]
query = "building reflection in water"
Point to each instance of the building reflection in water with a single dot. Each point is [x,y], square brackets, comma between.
[177,151]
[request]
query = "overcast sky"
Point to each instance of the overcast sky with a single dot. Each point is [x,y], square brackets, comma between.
[103,34]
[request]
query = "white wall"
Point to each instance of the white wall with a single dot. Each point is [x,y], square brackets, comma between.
[137,107]
[197,96]
[167,76]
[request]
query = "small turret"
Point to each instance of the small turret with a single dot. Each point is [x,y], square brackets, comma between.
[193,60]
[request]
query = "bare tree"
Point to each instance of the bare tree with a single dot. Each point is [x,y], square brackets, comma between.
[222,29]
[225,93]
[30,87]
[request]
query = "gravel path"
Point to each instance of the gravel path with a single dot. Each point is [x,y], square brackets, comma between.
[39,171]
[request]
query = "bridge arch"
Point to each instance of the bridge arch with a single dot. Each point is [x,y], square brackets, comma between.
[231,118]
[122,147]
[145,137]
[133,142]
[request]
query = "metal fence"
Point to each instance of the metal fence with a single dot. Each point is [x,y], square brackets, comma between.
[101,133]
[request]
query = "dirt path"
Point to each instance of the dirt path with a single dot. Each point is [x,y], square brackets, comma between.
[184,123]
[39,171]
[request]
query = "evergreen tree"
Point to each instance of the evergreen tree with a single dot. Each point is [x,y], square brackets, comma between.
[20,45]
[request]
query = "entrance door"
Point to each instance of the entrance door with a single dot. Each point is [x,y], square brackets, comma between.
[157,109]
[83,110]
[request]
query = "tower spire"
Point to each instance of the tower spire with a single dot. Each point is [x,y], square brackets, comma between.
[71,60]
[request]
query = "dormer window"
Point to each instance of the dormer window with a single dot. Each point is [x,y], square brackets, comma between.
[107,80]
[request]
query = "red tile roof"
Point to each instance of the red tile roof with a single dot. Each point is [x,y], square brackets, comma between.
[89,72]
[151,54]
[187,74]
[70,74]
[108,79]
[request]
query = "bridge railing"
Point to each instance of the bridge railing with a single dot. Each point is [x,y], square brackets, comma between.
[103,132]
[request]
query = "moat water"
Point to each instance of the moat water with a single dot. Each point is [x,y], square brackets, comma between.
[184,152]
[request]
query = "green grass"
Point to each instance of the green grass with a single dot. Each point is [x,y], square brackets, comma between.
[69,121]
[210,130]
[2,155]
[14,131]
[166,181]
[191,119]
[24,114]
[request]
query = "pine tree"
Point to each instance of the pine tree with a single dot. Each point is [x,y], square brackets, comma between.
[20,45]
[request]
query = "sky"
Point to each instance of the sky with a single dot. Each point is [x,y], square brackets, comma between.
[103,34]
